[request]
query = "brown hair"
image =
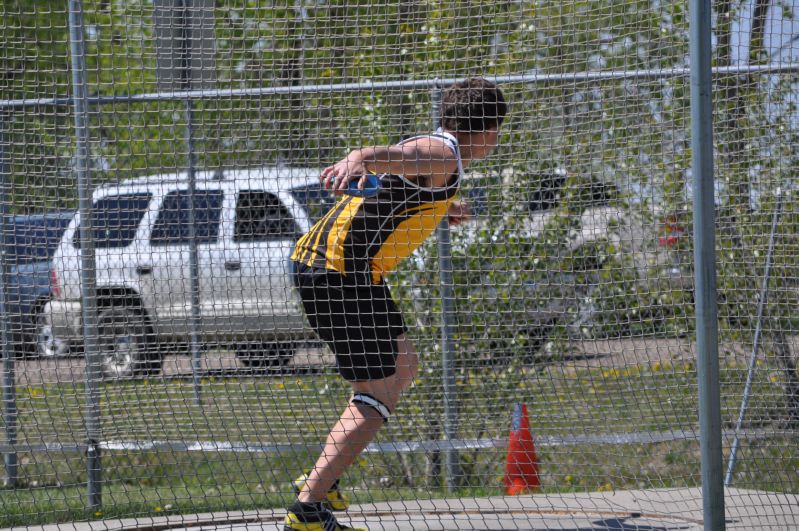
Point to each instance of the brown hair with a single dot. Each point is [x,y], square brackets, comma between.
[474,104]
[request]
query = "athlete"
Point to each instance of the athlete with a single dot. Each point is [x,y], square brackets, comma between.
[340,267]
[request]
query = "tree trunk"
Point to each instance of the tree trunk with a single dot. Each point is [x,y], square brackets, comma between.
[732,125]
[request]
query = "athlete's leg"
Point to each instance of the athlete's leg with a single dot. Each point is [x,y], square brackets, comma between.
[359,423]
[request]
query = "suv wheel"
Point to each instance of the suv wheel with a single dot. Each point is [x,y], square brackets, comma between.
[124,344]
[47,344]
[265,356]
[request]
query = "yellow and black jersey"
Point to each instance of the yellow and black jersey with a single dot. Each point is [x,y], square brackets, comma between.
[363,238]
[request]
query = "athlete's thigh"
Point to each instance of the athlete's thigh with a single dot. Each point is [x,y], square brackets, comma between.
[388,389]
[407,360]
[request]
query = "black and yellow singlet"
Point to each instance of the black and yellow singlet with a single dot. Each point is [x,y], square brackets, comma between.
[364,238]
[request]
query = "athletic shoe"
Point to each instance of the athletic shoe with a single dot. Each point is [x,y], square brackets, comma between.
[312,517]
[335,500]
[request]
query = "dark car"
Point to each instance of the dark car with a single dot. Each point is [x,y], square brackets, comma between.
[29,242]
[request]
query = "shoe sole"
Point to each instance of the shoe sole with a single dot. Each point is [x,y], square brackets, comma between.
[292,523]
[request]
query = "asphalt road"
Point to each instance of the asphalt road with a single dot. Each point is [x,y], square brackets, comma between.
[38,371]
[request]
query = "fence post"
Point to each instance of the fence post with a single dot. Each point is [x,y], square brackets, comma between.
[194,268]
[705,265]
[88,271]
[9,380]
[447,328]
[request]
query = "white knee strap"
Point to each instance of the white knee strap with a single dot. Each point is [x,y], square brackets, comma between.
[372,402]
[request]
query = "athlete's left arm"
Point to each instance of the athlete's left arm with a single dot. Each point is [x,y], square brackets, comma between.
[422,157]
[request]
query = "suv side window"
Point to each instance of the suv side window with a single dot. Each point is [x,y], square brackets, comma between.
[115,220]
[260,216]
[172,226]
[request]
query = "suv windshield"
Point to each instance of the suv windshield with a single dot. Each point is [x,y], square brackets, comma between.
[115,219]
[34,238]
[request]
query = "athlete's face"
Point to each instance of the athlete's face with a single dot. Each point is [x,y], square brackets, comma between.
[491,140]
[484,143]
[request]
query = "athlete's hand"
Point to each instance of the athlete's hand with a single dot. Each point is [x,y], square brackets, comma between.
[458,212]
[337,177]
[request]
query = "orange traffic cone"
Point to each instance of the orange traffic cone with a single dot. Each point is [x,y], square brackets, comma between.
[521,470]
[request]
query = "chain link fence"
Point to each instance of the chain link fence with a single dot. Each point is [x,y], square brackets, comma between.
[160,158]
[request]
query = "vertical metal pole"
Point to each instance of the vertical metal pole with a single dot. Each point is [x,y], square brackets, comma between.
[705,270]
[9,390]
[447,328]
[88,268]
[194,268]
[761,304]
[195,335]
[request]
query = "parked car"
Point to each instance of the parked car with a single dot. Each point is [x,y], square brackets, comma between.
[245,225]
[29,243]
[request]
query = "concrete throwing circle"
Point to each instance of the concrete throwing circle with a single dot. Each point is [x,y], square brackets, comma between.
[640,510]
[475,521]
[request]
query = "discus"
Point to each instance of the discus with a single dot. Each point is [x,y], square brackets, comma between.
[370,188]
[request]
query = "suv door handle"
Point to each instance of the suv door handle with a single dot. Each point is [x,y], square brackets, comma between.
[233,266]
[144,269]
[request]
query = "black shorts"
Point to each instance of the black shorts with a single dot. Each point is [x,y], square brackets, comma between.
[359,323]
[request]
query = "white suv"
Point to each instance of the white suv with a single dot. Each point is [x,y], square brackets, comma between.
[246,223]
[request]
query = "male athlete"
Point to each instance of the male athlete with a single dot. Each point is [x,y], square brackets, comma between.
[342,261]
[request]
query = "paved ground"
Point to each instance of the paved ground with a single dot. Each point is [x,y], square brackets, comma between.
[215,363]
[650,510]
[581,354]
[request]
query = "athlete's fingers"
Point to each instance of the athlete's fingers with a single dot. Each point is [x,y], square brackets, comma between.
[343,181]
[327,176]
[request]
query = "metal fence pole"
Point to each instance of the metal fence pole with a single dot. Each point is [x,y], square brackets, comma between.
[9,390]
[705,270]
[88,267]
[186,73]
[194,267]
[447,328]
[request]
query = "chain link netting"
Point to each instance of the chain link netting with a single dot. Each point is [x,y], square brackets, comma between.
[570,290]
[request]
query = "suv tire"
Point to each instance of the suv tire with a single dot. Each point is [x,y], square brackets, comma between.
[125,344]
[263,357]
[47,345]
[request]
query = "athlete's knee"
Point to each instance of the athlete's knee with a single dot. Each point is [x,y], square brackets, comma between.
[385,390]
[370,402]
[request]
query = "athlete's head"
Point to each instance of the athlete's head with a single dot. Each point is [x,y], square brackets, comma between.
[473,105]
[473,110]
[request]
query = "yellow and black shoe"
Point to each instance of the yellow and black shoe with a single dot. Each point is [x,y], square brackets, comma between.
[335,499]
[312,517]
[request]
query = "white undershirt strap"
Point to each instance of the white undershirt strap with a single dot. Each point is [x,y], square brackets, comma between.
[451,142]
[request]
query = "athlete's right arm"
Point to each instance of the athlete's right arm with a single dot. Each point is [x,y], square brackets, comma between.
[423,156]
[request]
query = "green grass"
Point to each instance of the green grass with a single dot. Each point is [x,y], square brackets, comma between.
[299,410]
